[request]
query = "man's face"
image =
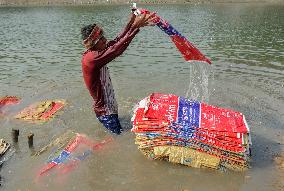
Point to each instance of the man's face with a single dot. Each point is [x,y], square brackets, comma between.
[101,44]
[96,39]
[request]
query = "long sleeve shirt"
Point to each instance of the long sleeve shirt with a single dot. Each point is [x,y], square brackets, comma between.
[96,74]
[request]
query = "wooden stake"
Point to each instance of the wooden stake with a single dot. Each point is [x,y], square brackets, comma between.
[15,135]
[31,139]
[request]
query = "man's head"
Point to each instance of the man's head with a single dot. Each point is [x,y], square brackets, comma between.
[93,37]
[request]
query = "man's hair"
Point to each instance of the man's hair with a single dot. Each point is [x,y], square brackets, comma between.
[86,30]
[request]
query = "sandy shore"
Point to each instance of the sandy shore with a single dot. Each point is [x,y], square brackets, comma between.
[101,2]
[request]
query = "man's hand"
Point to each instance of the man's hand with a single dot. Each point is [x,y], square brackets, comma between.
[131,19]
[144,20]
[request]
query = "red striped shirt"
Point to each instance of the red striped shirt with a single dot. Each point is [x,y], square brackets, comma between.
[96,74]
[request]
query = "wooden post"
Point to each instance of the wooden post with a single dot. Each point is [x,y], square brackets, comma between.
[31,139]
[15,135]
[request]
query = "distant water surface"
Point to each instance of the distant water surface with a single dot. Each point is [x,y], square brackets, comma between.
[40,58]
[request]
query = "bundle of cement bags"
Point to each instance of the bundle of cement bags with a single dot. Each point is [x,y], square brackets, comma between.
[191,133]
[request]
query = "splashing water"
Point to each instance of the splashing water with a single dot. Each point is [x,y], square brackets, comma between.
[198,88]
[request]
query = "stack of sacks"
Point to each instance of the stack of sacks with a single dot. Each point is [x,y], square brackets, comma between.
[191,133]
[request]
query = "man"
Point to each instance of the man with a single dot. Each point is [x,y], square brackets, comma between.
[95,72]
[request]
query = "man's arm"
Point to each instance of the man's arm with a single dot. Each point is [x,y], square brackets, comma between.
[126,28]
[116,48]
[102,58]
[134,22]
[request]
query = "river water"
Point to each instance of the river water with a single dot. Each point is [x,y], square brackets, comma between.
[40,54]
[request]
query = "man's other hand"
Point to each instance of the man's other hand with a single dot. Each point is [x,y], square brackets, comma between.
[144,20]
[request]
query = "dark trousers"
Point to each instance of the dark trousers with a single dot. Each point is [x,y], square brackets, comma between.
[111,122]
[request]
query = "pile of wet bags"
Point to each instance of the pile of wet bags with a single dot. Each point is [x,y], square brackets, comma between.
[191,133]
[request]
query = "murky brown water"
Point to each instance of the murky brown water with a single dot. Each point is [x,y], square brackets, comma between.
[40,55]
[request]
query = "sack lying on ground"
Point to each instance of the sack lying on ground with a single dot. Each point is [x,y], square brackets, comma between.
[41,111]
[4,146]
[7,101]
